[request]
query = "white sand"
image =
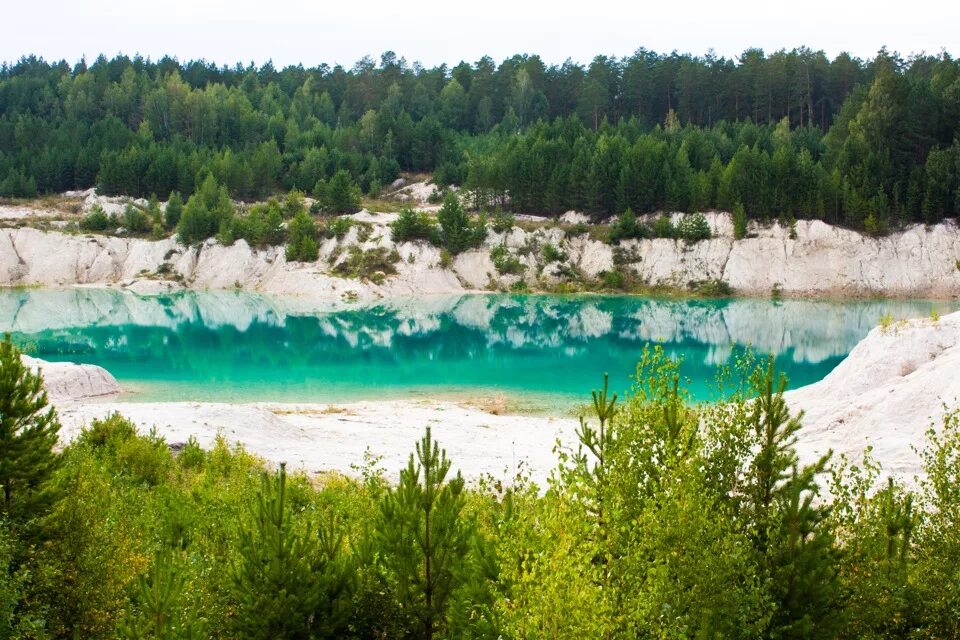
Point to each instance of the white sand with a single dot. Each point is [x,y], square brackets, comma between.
[319,438]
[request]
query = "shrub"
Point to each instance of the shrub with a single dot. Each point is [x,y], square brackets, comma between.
[341,194]
[457,232]
[626,227]
[553,254]
[613,280]
[436,196]
[337,227]
[693,227]
[96,220]
[292,204]
[411,225]
[262,225]
[663,227]
[504,261]
[191,456]
[875,225]
[503,221]
[303,239]
[145,459]
[367,264]
[445,259]
[135,220]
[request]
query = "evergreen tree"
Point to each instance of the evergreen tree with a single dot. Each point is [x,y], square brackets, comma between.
[173,211]
[302,246]
[457,233]
[792,534]
[341,195]
[159,612]
[28,433]
[205,212]
[290,581]
[424,535]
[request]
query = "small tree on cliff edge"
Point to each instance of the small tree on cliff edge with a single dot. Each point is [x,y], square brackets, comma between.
[28,432]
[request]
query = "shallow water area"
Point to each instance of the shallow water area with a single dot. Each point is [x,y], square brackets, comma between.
[521,352]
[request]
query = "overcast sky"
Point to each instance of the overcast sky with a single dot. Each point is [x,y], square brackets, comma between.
[437,31]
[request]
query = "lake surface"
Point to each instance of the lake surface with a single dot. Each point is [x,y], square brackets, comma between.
[550,350]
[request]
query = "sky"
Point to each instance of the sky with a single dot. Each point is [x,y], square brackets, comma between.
[444,31]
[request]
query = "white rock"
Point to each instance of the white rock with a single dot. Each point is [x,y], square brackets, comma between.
[574,217]
[892,387]
[67,381]
[917,262]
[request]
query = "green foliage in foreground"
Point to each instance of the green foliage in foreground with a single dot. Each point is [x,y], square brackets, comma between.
[667,520]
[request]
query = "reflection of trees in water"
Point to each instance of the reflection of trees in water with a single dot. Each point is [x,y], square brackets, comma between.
[182,332]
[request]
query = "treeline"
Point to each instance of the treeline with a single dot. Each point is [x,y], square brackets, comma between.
[790,133]
[668,519]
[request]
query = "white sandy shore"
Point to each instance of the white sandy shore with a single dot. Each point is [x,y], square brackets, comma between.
[320,438]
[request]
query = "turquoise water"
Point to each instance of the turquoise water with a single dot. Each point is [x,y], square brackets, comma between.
[235,346]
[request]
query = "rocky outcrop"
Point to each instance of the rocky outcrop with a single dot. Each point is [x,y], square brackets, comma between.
[67,381]
[814,259]
[892,387]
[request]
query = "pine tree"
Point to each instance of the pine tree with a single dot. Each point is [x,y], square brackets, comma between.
[303,239]
[423,535]
[205,212]
[28,433]
[457,234]
[291,581]
[791,533]
[173,210]
[342,195]
[160,613]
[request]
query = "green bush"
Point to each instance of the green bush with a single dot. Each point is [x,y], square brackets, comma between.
[553,254]
[135,220]
[663,227]
[205,212]
[340,195]
[626,227]
[302,246]
[457,232]
[505,262]
[173,211]
[370,264]
[613,280]
[96,220]
[693,227]
[262,225]
[337,227]
[411,225]
[502,221]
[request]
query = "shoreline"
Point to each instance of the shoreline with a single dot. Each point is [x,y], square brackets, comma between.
[883,397]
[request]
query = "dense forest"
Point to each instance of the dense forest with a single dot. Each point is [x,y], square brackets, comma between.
[864,143]
[667,520]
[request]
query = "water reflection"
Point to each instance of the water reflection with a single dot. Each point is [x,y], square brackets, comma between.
[225,345]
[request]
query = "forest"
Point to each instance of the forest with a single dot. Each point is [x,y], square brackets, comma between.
[870,144]
[667,519]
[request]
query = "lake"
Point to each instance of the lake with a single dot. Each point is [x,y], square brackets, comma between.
[548,350]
